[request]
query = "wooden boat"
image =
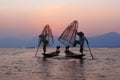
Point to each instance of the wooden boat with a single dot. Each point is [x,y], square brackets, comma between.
[52,54]
[71,54]
[78,56]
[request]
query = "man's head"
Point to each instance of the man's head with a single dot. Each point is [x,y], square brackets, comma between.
[80,33]
[41,36]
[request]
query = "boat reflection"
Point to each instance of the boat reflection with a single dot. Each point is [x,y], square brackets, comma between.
[52,69]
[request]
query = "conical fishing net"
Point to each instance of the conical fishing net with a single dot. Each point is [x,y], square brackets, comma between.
[48,33]
[68,36]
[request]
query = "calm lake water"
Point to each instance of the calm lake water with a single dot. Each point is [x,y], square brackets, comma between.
[20,64]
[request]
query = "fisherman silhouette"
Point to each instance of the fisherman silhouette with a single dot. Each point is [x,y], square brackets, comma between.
[57,49]
[81,41]
[42,39]
[67,51]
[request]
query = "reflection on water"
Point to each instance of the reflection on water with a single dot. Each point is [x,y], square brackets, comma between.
[61,70]
[20,64]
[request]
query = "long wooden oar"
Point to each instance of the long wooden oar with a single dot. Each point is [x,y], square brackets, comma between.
[37,50]
[90,51]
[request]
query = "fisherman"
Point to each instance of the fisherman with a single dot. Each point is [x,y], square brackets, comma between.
[42,39]
[81,41]
[67,51]
[57,49]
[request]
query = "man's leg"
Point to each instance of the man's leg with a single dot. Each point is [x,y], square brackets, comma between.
[75,43]
[81,49]
[44,48]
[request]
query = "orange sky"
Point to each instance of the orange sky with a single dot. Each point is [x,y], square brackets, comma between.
[27,18]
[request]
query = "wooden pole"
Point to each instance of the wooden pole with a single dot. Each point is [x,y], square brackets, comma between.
[90,51]
[36,52]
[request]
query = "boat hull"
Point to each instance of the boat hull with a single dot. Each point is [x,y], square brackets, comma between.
[78,56]
[52,54]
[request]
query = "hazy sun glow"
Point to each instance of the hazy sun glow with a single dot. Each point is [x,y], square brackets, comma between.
[26,18]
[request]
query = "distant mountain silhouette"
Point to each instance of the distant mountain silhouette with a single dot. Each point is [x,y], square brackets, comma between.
[111,39]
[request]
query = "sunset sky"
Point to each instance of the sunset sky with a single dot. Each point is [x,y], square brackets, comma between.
[27,18]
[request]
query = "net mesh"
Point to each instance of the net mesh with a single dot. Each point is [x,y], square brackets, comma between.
[68,36]
[48,33]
